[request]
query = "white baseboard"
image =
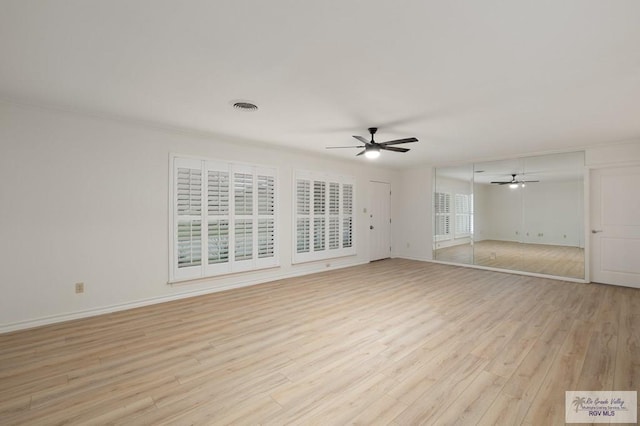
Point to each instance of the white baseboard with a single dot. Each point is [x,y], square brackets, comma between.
[422,259]
[512,271]
[54,319]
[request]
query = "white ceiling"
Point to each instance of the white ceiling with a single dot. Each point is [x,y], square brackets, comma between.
[470,79]
[551,168]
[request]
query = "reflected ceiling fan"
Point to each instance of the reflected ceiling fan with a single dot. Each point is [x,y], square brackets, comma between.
[372,148]
[513,183]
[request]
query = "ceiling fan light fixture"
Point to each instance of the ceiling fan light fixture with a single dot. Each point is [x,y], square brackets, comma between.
[372,152]
[372,148]
[513,185]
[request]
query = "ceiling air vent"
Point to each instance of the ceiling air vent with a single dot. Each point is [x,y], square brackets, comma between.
[245,106]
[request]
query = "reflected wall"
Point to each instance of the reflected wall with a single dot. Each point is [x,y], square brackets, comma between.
[524,214]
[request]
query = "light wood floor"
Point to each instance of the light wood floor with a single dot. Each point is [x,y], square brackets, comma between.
[392,342]
[562,261]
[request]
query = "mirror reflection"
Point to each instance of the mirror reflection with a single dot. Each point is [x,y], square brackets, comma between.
[523,214]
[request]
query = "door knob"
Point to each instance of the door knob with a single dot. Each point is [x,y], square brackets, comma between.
[370,226]
[595,231]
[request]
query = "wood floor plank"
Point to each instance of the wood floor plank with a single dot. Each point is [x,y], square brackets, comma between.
[426,403]
[564,374]
[392,342]
[381,411]
[505,410]
[473,402]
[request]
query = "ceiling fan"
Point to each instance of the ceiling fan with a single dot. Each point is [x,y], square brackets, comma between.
[513,183]
[372,148]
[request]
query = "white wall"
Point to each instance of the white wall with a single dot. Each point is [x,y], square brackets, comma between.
[551,209]
[412,214]
[555,210]
[482,217]
[616,154]
[415,204]
[85,199]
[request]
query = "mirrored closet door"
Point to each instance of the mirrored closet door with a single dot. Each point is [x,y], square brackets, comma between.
[524,214]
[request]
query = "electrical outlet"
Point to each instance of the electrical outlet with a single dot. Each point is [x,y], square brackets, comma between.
[408,245]
[79,287]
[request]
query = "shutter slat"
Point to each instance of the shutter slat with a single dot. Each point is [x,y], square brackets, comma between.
[244,239]
[318,233]
[302,233]
[218,241]
[266,238]
[347,232]
[319,197]
[266,195]
[189,243]
[303,197]
[189,191]
[243,190]
[217,192]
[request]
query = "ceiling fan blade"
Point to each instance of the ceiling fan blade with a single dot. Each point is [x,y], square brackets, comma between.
[361,139]
[399,141]
[529,181]
[361,152]
[353,146]
[502,183]
[393,148]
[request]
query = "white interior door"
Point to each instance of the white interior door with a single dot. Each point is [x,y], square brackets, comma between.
[379,220]
[615,226]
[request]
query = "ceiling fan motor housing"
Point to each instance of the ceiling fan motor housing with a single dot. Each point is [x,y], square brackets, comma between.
[373,148]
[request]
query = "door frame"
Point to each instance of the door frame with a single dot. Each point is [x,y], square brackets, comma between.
[589,169]
[370,191]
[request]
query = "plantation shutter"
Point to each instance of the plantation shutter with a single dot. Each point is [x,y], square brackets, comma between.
[442,217]
[334,216]
[188,218]
[323,213]
[243,190]
[266,216]
[224,218]
[347,215]
[303,215]
[319,209]
[462,212]
[218,216]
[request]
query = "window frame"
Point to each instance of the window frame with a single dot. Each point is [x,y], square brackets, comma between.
[464,215]
[329,249]
[231,265]
[447,216]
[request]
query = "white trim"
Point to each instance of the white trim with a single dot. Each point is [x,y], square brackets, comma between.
[326,253]
[206,270]
[507,271]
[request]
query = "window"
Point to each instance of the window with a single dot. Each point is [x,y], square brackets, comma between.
[442,217]
[463,215]
[324,221]
[223,218]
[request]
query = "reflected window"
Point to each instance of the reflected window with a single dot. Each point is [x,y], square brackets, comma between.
[442,208]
